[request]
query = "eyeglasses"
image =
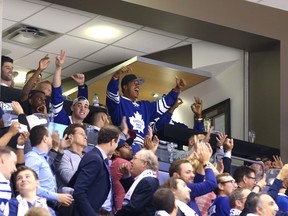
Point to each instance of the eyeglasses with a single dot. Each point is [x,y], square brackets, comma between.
[250,177]
[231,181]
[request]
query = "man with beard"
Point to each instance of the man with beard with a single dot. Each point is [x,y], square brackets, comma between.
[138,113]
[92,181]
[122,155]
[7,72]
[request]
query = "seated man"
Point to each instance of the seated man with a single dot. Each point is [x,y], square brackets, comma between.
[7,168]
[245,177]
[164,202]
[237,200]
[220,206]
[139,195]
[182,195]
[184,170]
[80,106]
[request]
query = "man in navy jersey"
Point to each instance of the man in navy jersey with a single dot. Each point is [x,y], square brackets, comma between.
[138,113]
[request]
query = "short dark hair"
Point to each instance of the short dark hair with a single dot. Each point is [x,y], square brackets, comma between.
[5,59]
[23,168]
[71,129]
[175,166]
[242,171]
[107,134]
[37,133]
[163,199]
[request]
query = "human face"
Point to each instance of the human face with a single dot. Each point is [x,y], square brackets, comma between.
[80,110]
[9,164]
[131,90]
[138,164]
[26,182]
[268,207]
[226,185]
[48,139]
[125,152]
[250,180]
[37,101]
[245,194]
[79,137]
[182,192]
[186,172]
[7,71]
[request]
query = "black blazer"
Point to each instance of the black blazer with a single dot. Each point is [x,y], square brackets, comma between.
[141,200]
[91,184]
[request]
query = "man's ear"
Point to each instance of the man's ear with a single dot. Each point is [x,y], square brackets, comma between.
[175,174]
[72,108]
[238,203]
[220,186]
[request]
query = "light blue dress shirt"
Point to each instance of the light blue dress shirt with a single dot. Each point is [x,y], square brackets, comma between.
[38,161]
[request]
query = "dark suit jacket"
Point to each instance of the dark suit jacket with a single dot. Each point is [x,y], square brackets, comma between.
[91,184]
[141,200]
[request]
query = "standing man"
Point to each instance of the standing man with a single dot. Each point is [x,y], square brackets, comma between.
[138,199]
[7,78]
[37,159]
[80,106]
[7,168]
[77,138]
[220,206]
[138,113]
[92,182]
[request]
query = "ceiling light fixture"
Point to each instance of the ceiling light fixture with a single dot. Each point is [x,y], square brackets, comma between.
[102,32]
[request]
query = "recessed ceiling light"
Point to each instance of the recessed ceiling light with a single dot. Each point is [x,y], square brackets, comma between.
[102,32]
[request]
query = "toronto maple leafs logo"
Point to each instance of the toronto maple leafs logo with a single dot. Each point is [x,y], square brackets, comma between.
[137,122]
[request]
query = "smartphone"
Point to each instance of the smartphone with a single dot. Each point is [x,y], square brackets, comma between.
[6,107]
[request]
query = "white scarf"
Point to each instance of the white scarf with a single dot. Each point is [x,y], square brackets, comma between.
[161,213]
[144,174]
[185,209]
[235,212]
[23,206]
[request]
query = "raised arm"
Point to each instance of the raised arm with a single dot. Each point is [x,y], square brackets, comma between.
[43,64]
[59,62]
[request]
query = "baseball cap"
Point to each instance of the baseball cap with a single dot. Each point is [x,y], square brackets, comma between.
[80,99]
[122,142]
[129,78]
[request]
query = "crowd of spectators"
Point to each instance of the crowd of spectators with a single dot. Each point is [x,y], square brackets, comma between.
[107,158]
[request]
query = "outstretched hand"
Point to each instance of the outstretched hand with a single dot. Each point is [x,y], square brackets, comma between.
[180,84]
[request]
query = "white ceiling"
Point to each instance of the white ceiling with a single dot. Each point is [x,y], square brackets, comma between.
[84,53]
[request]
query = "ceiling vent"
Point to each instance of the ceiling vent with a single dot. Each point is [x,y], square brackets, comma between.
[29,36]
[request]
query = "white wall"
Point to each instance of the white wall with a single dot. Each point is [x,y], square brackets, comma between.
[227,82]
